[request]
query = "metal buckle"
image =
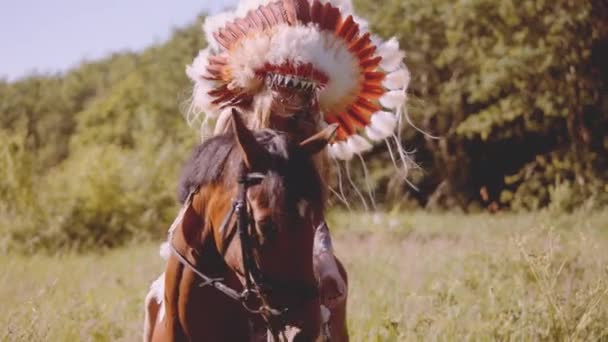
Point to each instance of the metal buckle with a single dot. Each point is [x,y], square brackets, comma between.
[262,308]
[245,296]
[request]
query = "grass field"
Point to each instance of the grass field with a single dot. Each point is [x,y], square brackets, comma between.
[418,276]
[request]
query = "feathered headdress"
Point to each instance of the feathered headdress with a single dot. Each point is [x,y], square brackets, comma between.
[315,45]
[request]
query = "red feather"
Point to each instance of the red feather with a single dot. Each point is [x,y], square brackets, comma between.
[258,19]
[225,43]
[360,43]
[279,12]
[367,52]
[372,91]
[352,34]
[365,104]
[302,9]
[329,18]
[345,123]
[358,117]
[219,91]
[217,60]
[244,25]
[371,63]
[267,15]
[374,76]
[234,31]
[345,27]
[315,12]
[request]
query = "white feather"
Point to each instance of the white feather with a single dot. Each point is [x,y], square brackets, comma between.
[392,56]
[373,134]
[340,150]
[164,251]
[201,101]
[157,291]
[213,24]
[393,99]
[399,79]
[384,123]
[334,151]
[357,144]
[198,68]
[346,152]
[157,288]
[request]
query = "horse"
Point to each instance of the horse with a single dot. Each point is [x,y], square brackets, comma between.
[241,262]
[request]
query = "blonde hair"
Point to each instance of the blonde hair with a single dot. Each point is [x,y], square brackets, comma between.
[258,118]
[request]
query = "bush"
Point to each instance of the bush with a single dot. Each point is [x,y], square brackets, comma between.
[502,84]
[102,196]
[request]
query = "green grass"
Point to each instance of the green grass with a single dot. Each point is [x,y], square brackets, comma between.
[413,277]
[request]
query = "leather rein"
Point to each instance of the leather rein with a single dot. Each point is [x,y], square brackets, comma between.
[254,297]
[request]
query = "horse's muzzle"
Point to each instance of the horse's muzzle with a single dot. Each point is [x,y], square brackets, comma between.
[295,334]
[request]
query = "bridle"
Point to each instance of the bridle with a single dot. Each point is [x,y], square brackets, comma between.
[254,297]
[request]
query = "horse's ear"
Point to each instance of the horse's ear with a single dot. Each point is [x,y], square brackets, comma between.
[317,142]
[254,155]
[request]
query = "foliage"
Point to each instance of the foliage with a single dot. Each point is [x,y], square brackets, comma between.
[102,196]
[504,83]
[90,159]
[516,91]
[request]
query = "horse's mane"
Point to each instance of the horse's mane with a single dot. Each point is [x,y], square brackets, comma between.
[292,175]
[205,164]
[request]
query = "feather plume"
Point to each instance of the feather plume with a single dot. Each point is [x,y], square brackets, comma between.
[384,124]
[360,43]
[315,12]
[367,105]
[371,63]
[330,16]
[302,11]
[367,52]
[346,27]
[340,150]
[373,134]
[371,91]
[364,112]
[357,144]
[374,76]
[358,116]
[399,79]
[392,57]
[345,123]
[335,151]
[393,99]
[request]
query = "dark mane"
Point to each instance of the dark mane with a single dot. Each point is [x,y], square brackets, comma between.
[205,164]
[292,175]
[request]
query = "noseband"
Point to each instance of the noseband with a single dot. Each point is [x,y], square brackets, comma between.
[254,298]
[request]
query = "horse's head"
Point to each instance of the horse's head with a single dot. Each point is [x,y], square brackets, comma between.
[274,181]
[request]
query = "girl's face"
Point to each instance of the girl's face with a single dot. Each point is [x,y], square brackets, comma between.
[288,101]
[294,111]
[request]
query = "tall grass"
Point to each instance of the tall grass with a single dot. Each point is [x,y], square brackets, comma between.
[415,276]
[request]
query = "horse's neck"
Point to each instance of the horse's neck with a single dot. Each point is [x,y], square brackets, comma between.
[184,297]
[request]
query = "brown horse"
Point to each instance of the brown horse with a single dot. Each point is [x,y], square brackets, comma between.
[242,263]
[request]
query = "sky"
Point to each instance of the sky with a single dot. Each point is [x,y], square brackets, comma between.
[54,35]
